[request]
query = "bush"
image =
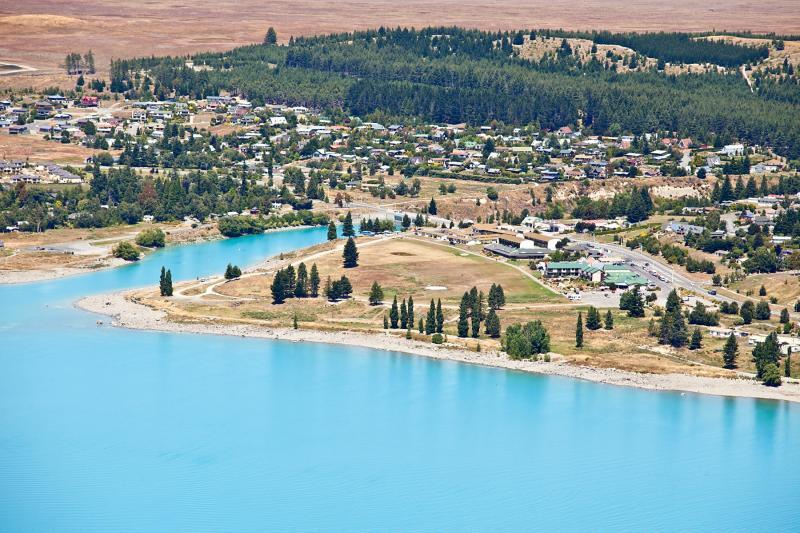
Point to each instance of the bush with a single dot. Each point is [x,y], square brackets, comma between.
[126,251]
[521,342]
[771,376]
[437,338]
[151,238]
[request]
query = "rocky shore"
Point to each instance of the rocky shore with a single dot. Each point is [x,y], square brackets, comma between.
[129,314]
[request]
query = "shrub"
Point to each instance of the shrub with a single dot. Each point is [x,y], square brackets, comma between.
[126,251]
[437,338]
[151,238]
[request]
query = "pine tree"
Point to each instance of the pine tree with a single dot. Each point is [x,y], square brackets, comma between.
[375,294]
[766,353]
[394,314]
[331,231]
[301,285]
[729,352]
[492,324]
[350,254]
[439,317]
[430,321]
[579,331]
[593,319]
[476,315]
[313,282]
[784,316]
[697,340]
[463,313]
[385,322]
[289,281]
[278,288]
[609,322]
[497,298]
[168,283]
[787,364]
[271,36]
[294,321]
[347,227]
[411,311]
[403,315]
[162,282]
[421,325]
[432,207]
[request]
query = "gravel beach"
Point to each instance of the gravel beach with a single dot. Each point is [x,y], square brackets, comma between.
[128,314]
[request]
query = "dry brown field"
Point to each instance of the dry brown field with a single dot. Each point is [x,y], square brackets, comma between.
[40,32]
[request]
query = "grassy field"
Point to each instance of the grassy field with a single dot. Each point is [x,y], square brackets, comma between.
[783,286]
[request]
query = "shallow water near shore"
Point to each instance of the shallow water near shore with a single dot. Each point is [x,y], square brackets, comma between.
[105,429]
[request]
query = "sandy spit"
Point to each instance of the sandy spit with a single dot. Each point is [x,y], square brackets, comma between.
[128,314]
[10,277]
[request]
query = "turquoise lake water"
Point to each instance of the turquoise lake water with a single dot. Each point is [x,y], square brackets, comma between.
[104,429]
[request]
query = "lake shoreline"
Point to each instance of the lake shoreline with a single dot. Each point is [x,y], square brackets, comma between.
[131,315]
[105,261]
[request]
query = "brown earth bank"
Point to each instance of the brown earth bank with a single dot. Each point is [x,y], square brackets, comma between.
[39,33]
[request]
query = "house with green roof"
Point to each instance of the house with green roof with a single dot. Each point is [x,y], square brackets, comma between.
[617,275]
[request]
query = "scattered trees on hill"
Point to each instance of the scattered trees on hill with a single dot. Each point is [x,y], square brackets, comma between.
[76,63]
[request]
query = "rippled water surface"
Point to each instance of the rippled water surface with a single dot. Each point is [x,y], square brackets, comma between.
[104,429]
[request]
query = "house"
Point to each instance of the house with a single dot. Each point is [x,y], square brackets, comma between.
[718,234]
[571,270]
[721,332]
[511,252]
[17,129]
[683,228]
[622,277]
[89,101]
[732,150]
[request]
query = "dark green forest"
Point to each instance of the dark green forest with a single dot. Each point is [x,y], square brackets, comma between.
[458,75]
